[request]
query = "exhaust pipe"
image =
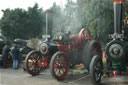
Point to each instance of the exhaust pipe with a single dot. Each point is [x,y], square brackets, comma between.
[48,31]
[117,16]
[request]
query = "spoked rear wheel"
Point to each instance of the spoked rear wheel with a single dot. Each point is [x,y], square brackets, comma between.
[59,65]
[96,70]
[33,63]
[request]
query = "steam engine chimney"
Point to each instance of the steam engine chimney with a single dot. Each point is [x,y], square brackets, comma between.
[117,15]
[49,16]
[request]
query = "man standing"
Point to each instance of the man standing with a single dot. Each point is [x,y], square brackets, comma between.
[15,56]
[5,53]
[126,21]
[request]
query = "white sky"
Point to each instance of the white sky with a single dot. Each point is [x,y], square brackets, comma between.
[45,4]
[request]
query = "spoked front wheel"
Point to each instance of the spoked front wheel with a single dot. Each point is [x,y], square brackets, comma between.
[33,63]
[59,65]
[96,70]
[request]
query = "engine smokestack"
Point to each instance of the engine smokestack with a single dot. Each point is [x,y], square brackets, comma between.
[117,15]
[49,19]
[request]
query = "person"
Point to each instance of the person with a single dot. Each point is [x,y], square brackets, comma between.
[125,28]
[125,21]
[67,36]
[19,57]
[5,53]
[15,56]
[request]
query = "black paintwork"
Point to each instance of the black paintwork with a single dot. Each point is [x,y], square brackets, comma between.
[117,18]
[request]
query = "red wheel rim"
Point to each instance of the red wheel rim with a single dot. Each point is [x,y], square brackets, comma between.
[34,63]
[61,66]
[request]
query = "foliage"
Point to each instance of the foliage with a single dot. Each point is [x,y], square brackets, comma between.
[125,10]
[58,18]
[19,23]
[72,23]
[97,15]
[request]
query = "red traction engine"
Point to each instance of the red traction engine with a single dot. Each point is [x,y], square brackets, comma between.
[78,49]
[70,49]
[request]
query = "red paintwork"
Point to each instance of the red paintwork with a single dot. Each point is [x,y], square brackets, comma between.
[79,41]
[72,47]
[48,58]
[115,74]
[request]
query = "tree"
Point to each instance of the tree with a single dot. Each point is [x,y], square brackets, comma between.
[19,23]
[35,22]
[125,10]
[58,18]
[71,22]
[97,15]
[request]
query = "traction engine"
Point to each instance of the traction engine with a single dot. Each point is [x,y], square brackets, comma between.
[116,49]
[64,50]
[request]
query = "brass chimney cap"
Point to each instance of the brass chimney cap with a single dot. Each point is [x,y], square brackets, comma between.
[118,1]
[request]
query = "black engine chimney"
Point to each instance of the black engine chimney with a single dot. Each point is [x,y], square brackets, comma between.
[49,20]
[117,16]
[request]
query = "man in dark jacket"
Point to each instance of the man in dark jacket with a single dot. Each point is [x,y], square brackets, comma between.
[15,56]
[5,53]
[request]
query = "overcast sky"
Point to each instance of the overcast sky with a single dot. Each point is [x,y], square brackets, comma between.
[45,4]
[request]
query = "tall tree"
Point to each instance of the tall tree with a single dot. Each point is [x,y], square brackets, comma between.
[125,9]
[58,18]
[98,15]
[19,23]
[71,22]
